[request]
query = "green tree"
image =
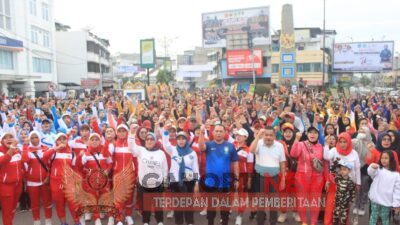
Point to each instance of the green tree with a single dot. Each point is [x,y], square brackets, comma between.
[164,76]
[365,81]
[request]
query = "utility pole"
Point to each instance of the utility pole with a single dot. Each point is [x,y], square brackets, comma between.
[323,52]
[101,72]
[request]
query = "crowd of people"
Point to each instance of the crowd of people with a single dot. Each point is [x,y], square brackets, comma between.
[311,144]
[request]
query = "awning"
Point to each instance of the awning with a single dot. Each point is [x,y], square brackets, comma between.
[11,44]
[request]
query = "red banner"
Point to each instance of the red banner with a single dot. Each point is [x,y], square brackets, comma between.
[240,63]
[89,83]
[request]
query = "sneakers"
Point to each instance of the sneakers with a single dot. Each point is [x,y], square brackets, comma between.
[120,223]
[160,223]
[97,222]
[129,220]
[203,212]
[88,216]
[170,214]
[48,222]
[238,220]
[111,221]
[282,218]
[361,212]
[82,221]
[296,217]
[145,224]
[36,222]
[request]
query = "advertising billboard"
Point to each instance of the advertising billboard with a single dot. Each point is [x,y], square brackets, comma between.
[363,56]
[240,62]
[147,53]
[218,26]
[90,83]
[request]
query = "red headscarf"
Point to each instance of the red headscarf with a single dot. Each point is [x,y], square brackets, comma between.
[349,148]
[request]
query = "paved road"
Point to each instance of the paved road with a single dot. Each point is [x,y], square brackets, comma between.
[24,218]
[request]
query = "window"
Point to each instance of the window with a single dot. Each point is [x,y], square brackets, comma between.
[45,11]
[275,68]
[6,60]
[34,35]
[41,65]
[46,39]
[32,7]
[5,14]
[316,67]
[93,67]
[304,67]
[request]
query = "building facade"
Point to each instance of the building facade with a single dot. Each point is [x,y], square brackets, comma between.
[27,46]
[83,59]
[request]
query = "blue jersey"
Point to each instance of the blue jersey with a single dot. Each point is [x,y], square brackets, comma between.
[218,164]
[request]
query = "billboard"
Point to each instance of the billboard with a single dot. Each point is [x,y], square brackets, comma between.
[217,26]
[90,83]
[240,62]
[147,53]
[363,56]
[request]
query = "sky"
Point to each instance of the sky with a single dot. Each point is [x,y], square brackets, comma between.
[178,22]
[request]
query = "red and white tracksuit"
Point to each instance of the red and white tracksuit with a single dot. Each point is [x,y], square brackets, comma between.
[57,161]
[246,166]
[11,174]
[36,177]
[121,158]
[89,164]
[77,145]
[309,182]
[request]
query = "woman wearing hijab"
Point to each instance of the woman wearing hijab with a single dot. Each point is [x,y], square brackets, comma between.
[343,150]
[93,160]
[384,143]
[151,160]
[24,200]
[38,180]
[360,145]
[11,172]
[288,139]
[395,142]
[309,178]
[184,171]
[59,156]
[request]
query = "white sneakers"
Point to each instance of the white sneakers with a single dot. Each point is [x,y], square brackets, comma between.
[296,217]
[160,223]
[82,220]
[48,222]
[238,220]
[203,212]
[97,222]
[170,214]
[129,220]
[357,211]
[282,218]
[88,216]
[36,222]
[111,221]
[120,223]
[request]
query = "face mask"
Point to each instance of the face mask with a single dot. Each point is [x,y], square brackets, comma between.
[361,136]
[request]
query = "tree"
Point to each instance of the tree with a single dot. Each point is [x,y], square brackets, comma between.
[365,81]
[164,77]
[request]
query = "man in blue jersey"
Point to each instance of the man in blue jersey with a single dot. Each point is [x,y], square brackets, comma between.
[221,156]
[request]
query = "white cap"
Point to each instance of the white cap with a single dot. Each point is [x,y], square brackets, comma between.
[123,126]
[263,118]
[242,132]
[5,134]
[60,135]
[94,135]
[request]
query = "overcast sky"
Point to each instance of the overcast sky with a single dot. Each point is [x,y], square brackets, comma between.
[125,22]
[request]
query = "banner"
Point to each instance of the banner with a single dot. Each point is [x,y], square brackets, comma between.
[220,26]
[147,53]
[90,83]
[363,56]
[240,62]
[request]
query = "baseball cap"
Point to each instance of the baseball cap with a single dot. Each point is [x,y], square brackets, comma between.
[287,126]
[242,132]
[346,164]
[182,134]
[263,118]
[147,124]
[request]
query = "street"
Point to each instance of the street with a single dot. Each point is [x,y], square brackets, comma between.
[25,218]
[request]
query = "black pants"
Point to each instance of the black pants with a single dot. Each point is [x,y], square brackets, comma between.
[261,188]
[146,213]
[188,187]
[212,213]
